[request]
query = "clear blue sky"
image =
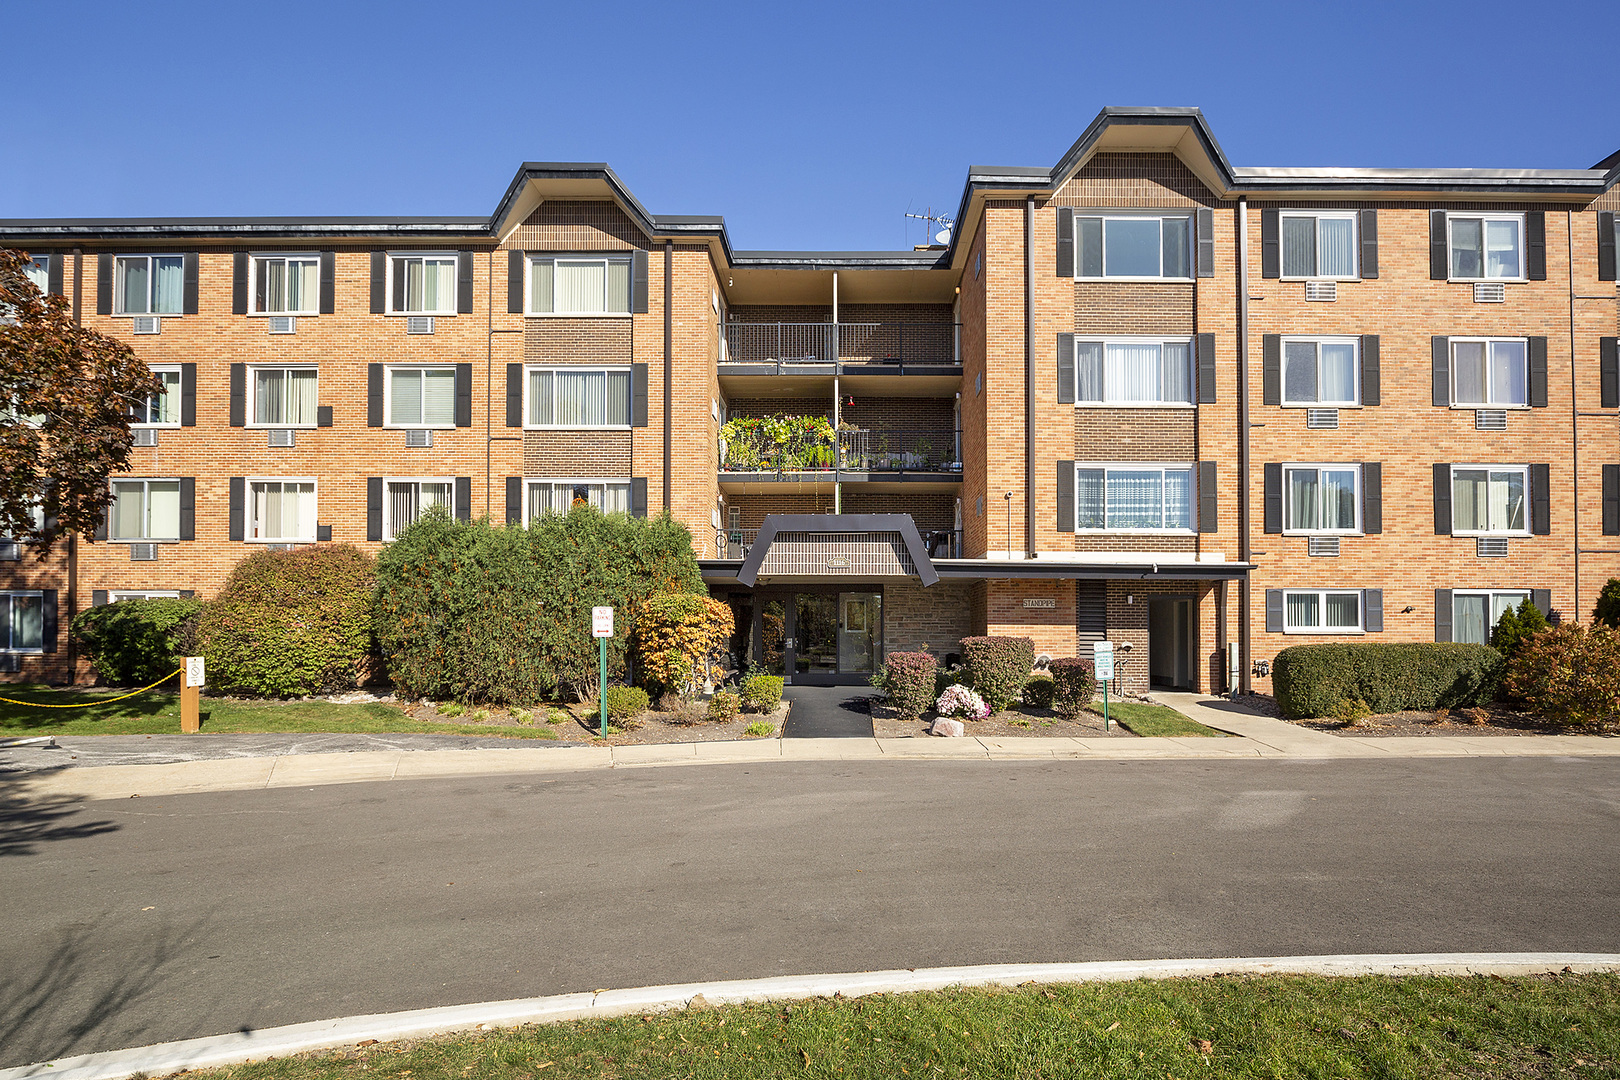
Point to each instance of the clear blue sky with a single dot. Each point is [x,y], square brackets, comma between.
[806,126]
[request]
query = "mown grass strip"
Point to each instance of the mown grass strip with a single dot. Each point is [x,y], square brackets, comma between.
[1211,1028]
[1151,720]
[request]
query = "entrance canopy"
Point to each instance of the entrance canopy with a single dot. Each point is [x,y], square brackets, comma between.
[837,545]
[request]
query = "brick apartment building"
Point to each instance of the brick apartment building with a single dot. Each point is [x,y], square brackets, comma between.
[1141,395]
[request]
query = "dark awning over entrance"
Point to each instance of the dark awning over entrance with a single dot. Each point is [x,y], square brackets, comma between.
[847,545]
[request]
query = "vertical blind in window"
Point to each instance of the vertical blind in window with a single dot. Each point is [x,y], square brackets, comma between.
[161,408]
[145,510]
[1133,372]
[1323,611]
[1318,246]
[575,286]
[283,510]
[425,284]
[408,498]
[424,396]
[589,398]
[1322,499]
[287,286]
[559,498]
[284,396]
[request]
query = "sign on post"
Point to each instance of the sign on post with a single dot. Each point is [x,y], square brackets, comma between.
[602,622]
[195,671]
[192,675]
[602,629]
[1102,665]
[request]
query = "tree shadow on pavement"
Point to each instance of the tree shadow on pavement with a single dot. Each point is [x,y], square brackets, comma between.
[27,820]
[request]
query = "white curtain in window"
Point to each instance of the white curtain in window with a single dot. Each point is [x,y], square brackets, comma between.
[38,271]
[1338,498]
[1343,611]
[1507,500]
[283,511]
[27,622]
[1177,499]
[269,396]
[1502,249]
[1304,610]
[1338,382]
[164,407]
[1135,499]
[1336,256]
[1132,371]
[301,392]
[1088,499]
[1468,500]
[616,499]
[1088,371]
[168,285]
[581,286]
[1299,372]
[1468,372]
[1468,619]
[1176,372]
[1508,373]
[1501,602]
[1304,499]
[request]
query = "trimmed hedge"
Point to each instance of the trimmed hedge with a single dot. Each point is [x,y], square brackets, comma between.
[998,667]
[1073,685]
[1038,691]
[1331,679]
[1569,676]
[135,642]
[908,678]
[626,702]
[762,693]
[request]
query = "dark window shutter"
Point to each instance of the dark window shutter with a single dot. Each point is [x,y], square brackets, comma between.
[1208,504]
[187,594]
[463,395]
[638,395]
[1065,242]
[1206,242]
[1271,369]
[514,282]
[514,395]
[1372,497]
[1442,500]
[1090,613]
[238,395]
[1369,244]
[48,619]
[638,496]
[1273,500]
[638,282]
[379,283]
[1205,345]
[1535,245]
[104,283]
[1542,599]
[1611,500]
[189,298]
[1609,372]
[1442,614]
[323,534]
[1440,351]
[1274,611]
[188,395]
[101,526]
[98,597]
[374,395]
[374,507]
[1538,372]
[1065,369]
[463,498]
[514,500]
[1371,386]
[1270,244]
[1438,270]
[238,507]
[328,282]
[1606,262]
[188,508]
[239,283]
[323,416]
[1372,610]
[464,282]
[1540,500]
[1065,497]
[53,275]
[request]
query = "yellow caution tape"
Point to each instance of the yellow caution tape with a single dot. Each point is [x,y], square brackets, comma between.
[98,701]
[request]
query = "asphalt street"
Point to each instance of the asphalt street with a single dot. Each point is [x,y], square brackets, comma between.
[145,920]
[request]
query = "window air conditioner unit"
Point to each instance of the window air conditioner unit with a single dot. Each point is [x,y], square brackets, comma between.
[1490,547]
[417,438]
[419,324]
[1322,547]
[143,552]
[282,438]
[283,324]
[10,663]
[1490,292]
[1490,420]
[146,436]
[1322,418]
[280,547]
[10,551]
[147,324]
[1327,291]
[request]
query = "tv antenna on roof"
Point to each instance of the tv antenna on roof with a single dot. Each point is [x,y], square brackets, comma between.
[944,221]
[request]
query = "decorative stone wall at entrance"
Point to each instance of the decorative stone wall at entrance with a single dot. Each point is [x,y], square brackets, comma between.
[934,620]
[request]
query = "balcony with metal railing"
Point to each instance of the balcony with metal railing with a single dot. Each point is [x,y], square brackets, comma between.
[813,453]
[841,348]
[735,543]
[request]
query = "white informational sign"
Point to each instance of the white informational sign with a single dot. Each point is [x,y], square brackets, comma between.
[195,672]
[1102,659]
[601,622]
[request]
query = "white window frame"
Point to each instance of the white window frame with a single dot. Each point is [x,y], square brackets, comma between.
[530,481]
[1452,494]
[1451,371]
[146,502]
[25,650]
[1319,340]
[1318,216]
[576,369]
[285,257]
[1490,595]
[118,291]
[248,510]
[116,595]
[392,264]
[390,527]
[1321,607]
[1125,215]
[1288,496]
[252,394]
[1482,217]
[1139,466]
[1135,339]
[388,396]
[39,525]
[603,257]
[38,270]
[163,369]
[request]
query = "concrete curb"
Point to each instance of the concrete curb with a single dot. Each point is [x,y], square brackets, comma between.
[240,1047]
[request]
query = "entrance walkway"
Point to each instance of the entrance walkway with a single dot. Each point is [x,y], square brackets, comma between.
[1225,715]
[828,712]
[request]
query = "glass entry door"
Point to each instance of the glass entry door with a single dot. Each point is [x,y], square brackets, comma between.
[815,637]
[772,653]
[818,637]
[859,615]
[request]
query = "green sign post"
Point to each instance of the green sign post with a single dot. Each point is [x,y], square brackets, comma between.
[1102,663]
[602,629]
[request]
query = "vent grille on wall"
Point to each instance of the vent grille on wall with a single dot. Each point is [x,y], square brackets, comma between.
[280,547]
[146,324]
[1327,291]
[1490,547]
[1321,418]
[417,438]
[283,324]
[419,324]
[1322,547]
[10,663]
[143,552]
[1490,420]
[282,438]
[1490,292]
[146,436]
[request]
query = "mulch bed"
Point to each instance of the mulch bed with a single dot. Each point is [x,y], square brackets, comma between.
[1413,723]
[1015,723]
[581,725]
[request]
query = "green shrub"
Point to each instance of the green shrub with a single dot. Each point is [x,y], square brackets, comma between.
[724,706]
[945,678]
[626,702]
[291,622]
[759,729]
[1607,610]
[451,708]
[503,615]
[1073,686]
[1569,675]
[1038,691]
[135,642]
[762,693]
[1317,680]
[1515,627]
[908,679]
[998,668]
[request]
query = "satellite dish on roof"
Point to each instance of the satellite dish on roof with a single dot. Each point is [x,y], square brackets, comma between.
[943,236]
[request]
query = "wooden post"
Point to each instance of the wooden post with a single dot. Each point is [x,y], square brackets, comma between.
[191,683]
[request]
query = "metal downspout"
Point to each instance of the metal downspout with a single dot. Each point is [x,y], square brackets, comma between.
[1245,681]
[1029,377]
[669,365]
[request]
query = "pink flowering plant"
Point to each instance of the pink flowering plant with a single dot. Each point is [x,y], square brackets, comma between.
[959,701]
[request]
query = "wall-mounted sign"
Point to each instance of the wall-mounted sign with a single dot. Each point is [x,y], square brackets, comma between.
[838,562]
[1040,603]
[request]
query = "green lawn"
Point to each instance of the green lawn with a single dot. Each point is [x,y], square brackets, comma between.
[1216,1028]
[156,713]
[1148,720]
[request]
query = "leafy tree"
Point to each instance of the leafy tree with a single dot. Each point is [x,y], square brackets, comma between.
[1607,611]
[65,398]
[1514,628]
